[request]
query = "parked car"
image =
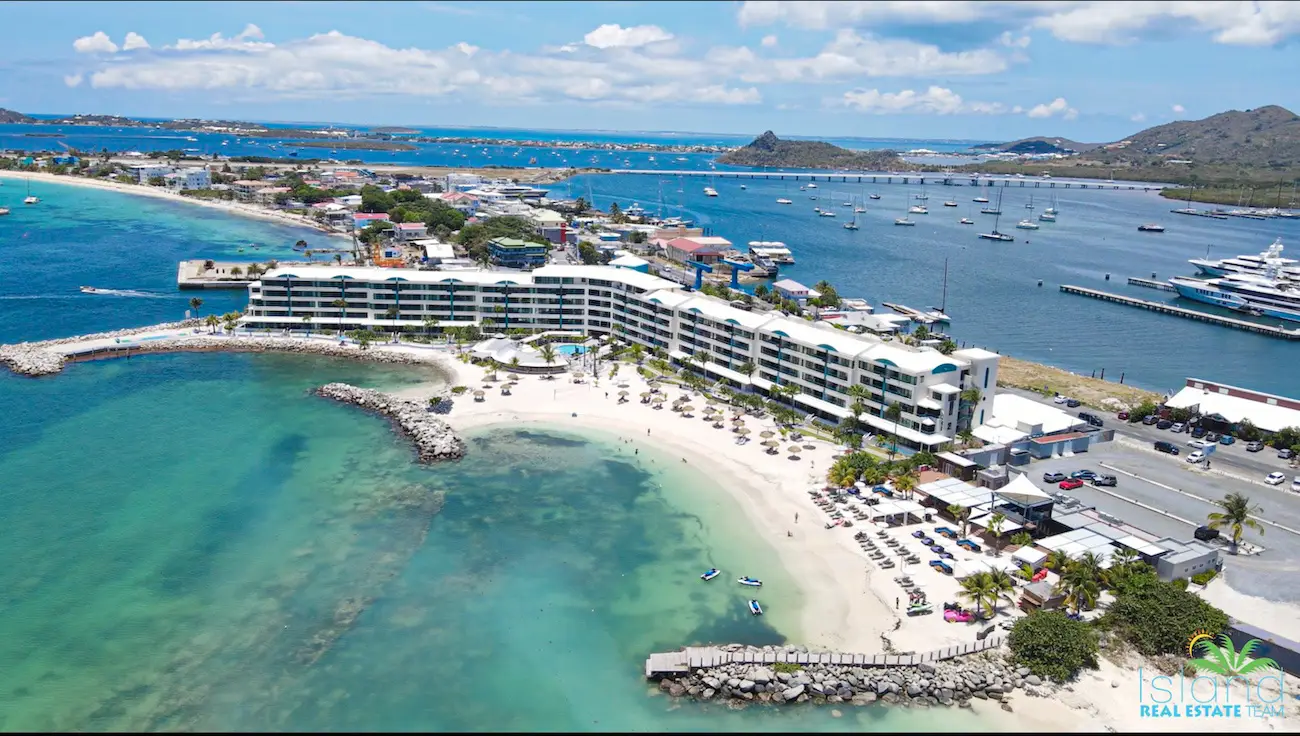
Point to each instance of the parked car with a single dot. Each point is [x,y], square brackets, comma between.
[1105,480]
[1227,439]
[1254,446]
[1285,453]
[1053,477]
[1195,456]
[1273,479]
[1198,432]
[1164,424]
[1084,474]
[1069,484]
[1122,416]
[1295,484]
[1059,399]
[1169,447]
[1178,427]
[1073,403]
[1091,419]
[1211,436]
[1150,419]
[1199,444]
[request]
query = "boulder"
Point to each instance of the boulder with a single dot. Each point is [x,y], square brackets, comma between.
[792,693]
[746,686]
[760,675]
[1032,679]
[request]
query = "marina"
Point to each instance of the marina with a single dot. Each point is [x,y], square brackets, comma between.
[1170,309]
[694,658]
[906,179]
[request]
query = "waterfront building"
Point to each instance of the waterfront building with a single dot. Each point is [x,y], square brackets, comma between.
[362,219]
[407,231]
[191,178]
[795,291]
[516,253]
[699,248]
[247,189]
[144,172]
[1223,408]
[758,350]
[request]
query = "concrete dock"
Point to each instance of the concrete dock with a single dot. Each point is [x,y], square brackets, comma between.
[873,177]
[1200,316]
[693,658]
[1149,283]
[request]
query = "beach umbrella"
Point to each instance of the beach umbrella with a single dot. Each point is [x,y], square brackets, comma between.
[771,443]
[513,377]
[687,409]
[622,393]
[710,401]
[478,392]
[767,433]
[658,399]
[742,431]
[622,385]
[794,449]
[490,377]
[810,448]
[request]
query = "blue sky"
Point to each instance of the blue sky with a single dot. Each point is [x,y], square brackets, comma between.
[1091,71]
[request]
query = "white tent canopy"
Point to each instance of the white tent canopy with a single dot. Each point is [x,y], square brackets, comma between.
[983,522]
[951,491]
[894,508]
[1031,556]
[1022,490]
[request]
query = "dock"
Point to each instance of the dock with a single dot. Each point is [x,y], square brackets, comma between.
[694,658]
[1150,284]
[1199,213]
[1164,308]
[916,315]
[198,275]
[914,178]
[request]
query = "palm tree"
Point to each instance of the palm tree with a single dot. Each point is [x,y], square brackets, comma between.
[1090,565]
[961,514]
[341,305]
[1236,516]
[391,313]
[253,271]
[1022,539]
[966,437]
[1058,562]
[905,484]
[548,353]
[1081,590]
[893,413]
[1004,588]
[306,320]
[971,395]
[212,321]
[995,528]
[236,271]
[977,589]
[338,259]
[921,333]
[637,352]
[1123,558]
[747,368]
[947,347]
[229,320]
[195,303]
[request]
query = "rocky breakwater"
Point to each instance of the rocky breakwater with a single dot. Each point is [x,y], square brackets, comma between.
[956,682]
[434,439]
[48,356]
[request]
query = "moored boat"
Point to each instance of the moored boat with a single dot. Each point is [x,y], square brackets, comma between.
[783,200]
[755,609]
[711,573]
[874,196]
[751,582]
[1151,227]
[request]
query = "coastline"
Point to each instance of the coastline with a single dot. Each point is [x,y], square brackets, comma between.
[234,208]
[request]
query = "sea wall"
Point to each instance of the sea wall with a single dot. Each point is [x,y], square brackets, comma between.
[986,676]
[434,439]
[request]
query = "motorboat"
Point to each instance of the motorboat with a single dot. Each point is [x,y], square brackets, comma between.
[91,290]
[1287,269]
[1046,216]
[751,582]
[812,197]
[1027,224]
[1151,227]
[859,210]
[981,200]
[755,609]
[811,185]
[904,221]
[710,192]
[917,209]
[773,250]
[4,210]
[711,573]
[949,204]
[742,186]
[827,213]
[990,211]
[1242,292]
[966,221]
[874,196]
[783,200]
[817,210]
[31,200]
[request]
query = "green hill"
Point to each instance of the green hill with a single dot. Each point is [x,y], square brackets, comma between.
[769,151]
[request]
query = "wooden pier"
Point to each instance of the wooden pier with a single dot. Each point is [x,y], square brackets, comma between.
[694,658]
[1164,308]
[1149,283]
[916,178]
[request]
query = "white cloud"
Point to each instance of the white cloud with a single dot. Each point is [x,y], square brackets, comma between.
[1058,107]
[851,55]
[134,41]
[612,35]
[1012,41]
[249,39]
[1240,22]
[769,41]
[73,80]
[1179,109]
[97,43]
[1138,117]
[934,101]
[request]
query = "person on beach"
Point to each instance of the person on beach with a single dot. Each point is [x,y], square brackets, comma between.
[895,603]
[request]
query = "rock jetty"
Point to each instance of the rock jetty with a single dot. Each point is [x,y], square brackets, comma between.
[956,682]
[434,439]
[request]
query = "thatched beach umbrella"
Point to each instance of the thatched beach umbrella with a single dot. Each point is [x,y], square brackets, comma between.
[771,443]
[578,374]
[622,393]
[659,399]
[742,431]
[622,385]
[513,377]
[810,448]
[686,408]
[490,377]
[767,434]
[794,449]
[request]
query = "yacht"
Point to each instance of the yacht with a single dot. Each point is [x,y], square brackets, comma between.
[1027,224]
[1260,295]
[783,200]
[1287,269]
[966,221]
[1046,216]
[710,192]
[904,221]
[773,250]
[995,235]
[1151,228]
[29,199]
[811,185]
[949,204]
[917,209]
[875,196]
[635,210]
[981,200]
[827,213]
[4,210]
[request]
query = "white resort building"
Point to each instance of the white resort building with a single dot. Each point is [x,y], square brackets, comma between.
[822,362]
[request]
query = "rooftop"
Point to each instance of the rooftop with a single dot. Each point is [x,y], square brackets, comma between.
[1266,411]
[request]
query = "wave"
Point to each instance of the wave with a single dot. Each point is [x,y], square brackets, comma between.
[131,292]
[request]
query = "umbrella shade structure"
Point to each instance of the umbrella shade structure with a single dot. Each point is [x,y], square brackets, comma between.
[686,409]
[622,393]
[742,431]
[513,377]
[710,401]
[490,377]
[622,385]
[578,374]
[767,434]
[659,399]
[771,443]
[794,449]
[810,448]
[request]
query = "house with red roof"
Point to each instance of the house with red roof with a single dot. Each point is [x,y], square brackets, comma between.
[704,249]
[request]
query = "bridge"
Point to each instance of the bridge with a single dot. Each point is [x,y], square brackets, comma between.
[694,658]
[948,180]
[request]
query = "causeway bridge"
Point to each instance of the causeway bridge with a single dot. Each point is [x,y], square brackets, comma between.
[693,658]
[940,179]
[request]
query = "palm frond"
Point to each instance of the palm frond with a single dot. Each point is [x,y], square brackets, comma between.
[1206,665]
[1263,663]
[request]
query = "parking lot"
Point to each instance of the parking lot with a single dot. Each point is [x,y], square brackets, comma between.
[1274,574]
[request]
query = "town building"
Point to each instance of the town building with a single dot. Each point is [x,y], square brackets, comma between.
[743,348]
[407,231]
[144,172]
[795,291]
[1223,408]
[247,189]
[191,178]
[516,253]
[700,248]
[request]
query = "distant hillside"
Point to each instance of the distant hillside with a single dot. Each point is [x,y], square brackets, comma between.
[768,150]
[1039,144]
[10,116]
[1263,138]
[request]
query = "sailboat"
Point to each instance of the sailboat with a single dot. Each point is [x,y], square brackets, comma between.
[966,220]
[1030,204]
[786,200]
[1049,214]
[30,199]
[852,225]
[875,196]
[860,208]
[995,235]
[922,195]
[904,220]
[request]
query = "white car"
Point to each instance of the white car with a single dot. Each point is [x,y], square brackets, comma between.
[1195,456]
[1274,479]
[1295,484]
[1060,399]
[1199,443]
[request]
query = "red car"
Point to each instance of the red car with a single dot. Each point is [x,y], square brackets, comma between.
[1122,415]
[1069,484]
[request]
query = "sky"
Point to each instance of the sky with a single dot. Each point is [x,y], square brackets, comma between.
[990,70]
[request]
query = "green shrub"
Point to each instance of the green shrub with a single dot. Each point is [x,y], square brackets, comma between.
[1158,617]
[786,667]
[1203,578]
[458,390]
[1180,583]
[1053,645]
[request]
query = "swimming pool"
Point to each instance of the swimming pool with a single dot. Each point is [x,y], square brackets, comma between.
[569,349]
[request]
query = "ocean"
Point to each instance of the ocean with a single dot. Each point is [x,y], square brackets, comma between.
[195,542]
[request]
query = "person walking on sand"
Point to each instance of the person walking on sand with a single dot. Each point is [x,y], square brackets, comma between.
[796,517]
[647,431]
[895,603]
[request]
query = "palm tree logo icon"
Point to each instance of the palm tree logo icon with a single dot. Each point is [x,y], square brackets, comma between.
[1222,657]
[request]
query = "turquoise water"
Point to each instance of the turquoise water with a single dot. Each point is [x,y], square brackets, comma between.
[79,236]
[569,349]
[196,542]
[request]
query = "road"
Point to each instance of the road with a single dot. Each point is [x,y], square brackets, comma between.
[1273,574]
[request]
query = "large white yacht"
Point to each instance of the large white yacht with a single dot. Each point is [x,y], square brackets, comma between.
[1288,269]
[1249,293]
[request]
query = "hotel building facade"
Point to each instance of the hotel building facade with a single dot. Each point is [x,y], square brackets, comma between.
[820,361]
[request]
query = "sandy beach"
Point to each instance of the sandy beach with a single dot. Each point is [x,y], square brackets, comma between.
[234,208]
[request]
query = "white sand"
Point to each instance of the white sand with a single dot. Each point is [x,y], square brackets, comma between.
[235,208]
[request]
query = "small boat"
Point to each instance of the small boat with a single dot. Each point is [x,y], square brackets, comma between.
[859,209]
[852,225]
[827,213]
[91,290]
[991,211]
[949,204]
[817,209]
[751,582]
[1046,216]
[917,209]
[710,192]
[904,221]
[4,210]
[1151,228]
[31,200]
[981,200]
[742,186]
[1027,224]
[783,200]
[967,221]
[874,196]
[755,609]
[812,186]
[995,235]
[812,196]
[712,573]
